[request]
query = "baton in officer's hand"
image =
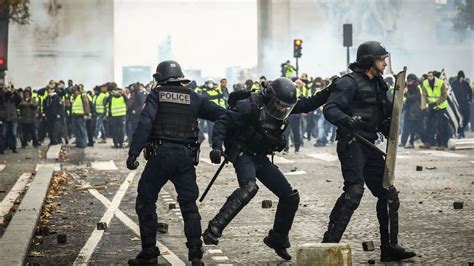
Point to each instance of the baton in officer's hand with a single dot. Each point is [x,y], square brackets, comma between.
[214,178]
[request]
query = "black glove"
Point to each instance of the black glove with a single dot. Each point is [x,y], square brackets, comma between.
[353,122]
[432,105]
[132,163]
[215,156]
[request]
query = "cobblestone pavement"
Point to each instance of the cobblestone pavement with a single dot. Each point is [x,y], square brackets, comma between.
[428,222]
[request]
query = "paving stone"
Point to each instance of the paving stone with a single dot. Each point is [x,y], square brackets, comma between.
[61,238]
[458,205]
[368,246]
[266,204]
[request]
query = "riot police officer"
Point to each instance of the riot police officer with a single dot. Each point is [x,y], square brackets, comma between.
[168,128]
[359,104]
[250,130]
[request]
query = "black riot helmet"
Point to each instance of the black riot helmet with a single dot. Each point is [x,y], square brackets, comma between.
[280,97]
[169,71]
[368,52]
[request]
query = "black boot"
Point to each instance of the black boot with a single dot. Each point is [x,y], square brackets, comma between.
[146,257]
[195,252]
[234,204]
[387,214]
[279,243]
[394,253]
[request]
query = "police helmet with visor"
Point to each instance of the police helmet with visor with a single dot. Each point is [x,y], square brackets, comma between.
[280,97]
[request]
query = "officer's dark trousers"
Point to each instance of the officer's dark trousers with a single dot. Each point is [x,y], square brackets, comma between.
[437,125]
[361,165]
[251,167]
[173,162]
[117,126]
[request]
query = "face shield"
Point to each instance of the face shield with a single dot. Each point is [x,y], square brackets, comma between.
[278,109]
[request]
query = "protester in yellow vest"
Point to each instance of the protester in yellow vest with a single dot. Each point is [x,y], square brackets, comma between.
[117,103]
[100,102]
[80,112]
[216,96]
[434,100]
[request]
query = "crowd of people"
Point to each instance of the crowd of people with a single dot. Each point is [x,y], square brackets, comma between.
[59,111]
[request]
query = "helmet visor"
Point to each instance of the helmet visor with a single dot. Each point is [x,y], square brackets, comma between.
[278,109]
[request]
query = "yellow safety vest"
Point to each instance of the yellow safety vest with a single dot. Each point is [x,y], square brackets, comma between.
[255,87]
[290,71]
[118,107]
[99,103]
[434,94]
[77,106]
[216,97]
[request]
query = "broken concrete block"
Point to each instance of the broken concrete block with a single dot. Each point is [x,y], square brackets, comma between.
[368,246]
[419,168]
[458,205]
[171,206]
[266,204]
[163,228]
[324,254]
[62,238]
[101,226]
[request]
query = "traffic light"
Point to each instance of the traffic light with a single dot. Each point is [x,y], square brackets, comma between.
[297,46]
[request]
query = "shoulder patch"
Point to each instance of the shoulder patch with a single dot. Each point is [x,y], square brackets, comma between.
[174,97]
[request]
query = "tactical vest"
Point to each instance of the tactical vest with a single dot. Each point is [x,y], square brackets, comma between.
[264,135]
[369,101]
[175,120]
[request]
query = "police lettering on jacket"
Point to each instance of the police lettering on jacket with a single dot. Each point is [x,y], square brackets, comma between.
[174,97]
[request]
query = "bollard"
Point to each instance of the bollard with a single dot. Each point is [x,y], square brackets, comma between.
[324,254]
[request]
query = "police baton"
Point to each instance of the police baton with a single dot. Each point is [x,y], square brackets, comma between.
[365,141]
[213,179]
[369,144]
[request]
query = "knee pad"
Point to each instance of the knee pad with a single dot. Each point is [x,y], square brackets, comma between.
[245,193]
[353,196]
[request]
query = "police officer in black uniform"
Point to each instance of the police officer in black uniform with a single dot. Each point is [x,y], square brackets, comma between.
[168,129]
[359,104]
[251,130]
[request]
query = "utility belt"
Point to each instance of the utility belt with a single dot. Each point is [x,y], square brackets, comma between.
[151,148]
